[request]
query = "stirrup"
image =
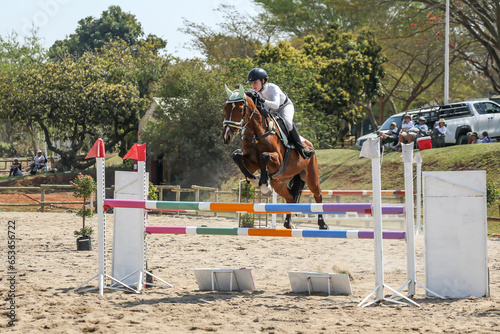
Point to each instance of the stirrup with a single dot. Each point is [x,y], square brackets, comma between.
[306,154]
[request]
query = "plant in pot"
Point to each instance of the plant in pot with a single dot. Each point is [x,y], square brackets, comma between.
[83,187]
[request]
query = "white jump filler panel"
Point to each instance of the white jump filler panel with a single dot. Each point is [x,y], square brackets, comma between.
[128,231]
[456,233]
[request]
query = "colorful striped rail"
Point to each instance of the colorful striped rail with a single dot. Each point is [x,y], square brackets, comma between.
[261,232]
[253,207]
[354,192]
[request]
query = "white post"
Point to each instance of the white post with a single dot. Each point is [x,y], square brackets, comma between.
[377,227]
[410,229]
[101,223]
[418,160]
[141,169]
[447,53]
[273,216]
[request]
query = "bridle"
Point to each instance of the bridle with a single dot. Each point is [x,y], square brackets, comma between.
[241,125]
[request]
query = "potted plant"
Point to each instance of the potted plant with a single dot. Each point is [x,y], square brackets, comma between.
[83,187]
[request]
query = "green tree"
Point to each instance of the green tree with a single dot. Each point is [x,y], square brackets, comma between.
[187,124]
[350,70]
[311,17]
[97,95]
[92,34]
[236,37]
[480,21]
[16,56]
[83,187]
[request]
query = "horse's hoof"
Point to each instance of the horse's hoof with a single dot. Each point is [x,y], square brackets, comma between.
[254,183]
[323,227]
[266,190]
[288,226]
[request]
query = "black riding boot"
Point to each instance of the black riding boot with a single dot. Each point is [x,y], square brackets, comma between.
[294,136]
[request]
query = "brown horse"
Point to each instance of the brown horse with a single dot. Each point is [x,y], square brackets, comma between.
[262,149]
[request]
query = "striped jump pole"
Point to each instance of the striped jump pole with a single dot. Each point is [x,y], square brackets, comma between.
[310,208]
[238,231]
[354,192]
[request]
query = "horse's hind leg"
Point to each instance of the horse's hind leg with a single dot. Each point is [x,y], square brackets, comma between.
[312,181]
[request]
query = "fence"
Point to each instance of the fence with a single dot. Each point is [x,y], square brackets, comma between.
[43,189]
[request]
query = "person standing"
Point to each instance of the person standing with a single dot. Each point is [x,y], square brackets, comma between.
[439,132]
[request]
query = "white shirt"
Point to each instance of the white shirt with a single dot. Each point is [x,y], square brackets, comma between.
[273,96]
[405,127]
[39,159]
[442,129]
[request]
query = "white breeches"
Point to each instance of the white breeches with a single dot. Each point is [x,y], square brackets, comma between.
[287,112]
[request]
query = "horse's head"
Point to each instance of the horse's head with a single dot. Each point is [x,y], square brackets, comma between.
[235,113]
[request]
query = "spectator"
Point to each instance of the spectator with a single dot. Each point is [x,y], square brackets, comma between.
[438,135]
[486,138]
[15,168]
[70,142]
[37,163]
[419,130]
[469,137]
[391,135]
[405,127]
[474,139]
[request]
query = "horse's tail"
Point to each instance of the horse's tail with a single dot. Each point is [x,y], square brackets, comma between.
[295,187]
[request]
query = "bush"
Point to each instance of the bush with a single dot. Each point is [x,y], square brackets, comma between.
[492,194]
[83,187]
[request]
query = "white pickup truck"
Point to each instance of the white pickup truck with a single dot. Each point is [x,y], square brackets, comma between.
[463,117]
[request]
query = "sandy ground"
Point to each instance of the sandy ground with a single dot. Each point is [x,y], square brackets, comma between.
[49,267]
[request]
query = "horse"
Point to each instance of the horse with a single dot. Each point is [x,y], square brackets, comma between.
[280,167]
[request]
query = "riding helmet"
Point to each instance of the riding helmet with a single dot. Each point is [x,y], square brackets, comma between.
[256,74]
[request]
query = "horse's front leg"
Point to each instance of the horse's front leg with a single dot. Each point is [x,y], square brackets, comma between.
[241,162]
[267,159]
[264,174]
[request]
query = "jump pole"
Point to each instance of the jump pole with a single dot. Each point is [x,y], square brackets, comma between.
[418,161]
[407,150]
[371,149]
[281,208]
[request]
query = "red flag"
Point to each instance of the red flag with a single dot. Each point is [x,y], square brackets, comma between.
[137,152]
[97,151]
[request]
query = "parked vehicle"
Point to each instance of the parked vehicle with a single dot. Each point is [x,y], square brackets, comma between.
[463,117]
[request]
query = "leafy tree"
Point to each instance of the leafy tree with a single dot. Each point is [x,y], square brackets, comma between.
[92,34]
[480,20]
[350,70]
[97,95]
[15,57]
[83,187]
[187,124]
[238,36]
[311,17]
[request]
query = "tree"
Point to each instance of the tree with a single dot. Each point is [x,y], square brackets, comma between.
[92,34]
[350,70]
[15,57]
[480,20]
[96,95]
[187,124]
[239,36]
[310,17]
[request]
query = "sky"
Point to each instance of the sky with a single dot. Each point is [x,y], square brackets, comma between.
[57,19]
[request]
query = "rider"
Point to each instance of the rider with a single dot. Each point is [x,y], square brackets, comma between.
[273,98]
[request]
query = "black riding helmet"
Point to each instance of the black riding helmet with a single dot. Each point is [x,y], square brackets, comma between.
[256,74]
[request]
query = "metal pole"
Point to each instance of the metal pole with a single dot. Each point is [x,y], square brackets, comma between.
[447,53]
